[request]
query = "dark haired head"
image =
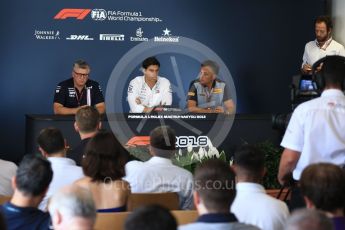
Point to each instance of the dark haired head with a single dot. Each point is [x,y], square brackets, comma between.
[250,162]
[163,141]
[51,140]
[152,217]
[150,61]
[214,181]
[104,158]
[325,19]
[87,119]
[213,65]
[34,175]
[333,71]
[324,185]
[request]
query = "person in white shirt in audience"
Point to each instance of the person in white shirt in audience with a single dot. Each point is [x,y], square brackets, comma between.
[72,207]
[52,146]
[159,174]
[8,170]
[252,205]
[214,192]
[312,219]
[148,91]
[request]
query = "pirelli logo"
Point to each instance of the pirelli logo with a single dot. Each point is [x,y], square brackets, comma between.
[112,37]
[217,90]
[79,14]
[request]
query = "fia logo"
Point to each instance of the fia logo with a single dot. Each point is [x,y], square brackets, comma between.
[98,14]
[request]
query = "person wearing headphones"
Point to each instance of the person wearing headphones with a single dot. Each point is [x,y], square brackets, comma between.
[316,129]
[149,91]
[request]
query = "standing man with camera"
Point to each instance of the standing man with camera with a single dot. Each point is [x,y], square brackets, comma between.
[316,130]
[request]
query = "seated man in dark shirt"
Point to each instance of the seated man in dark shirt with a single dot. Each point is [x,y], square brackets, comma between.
[30,184]
[78,91]
[87,123]
[209,94]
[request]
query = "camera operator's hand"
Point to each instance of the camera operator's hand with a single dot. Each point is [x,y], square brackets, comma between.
[306,69]
[287,181]
[319,67]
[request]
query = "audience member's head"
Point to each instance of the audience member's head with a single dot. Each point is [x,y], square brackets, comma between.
[323,187]
[51,141]
[333,71]
[308,219]
[72,207]
[249,164]
[214,187]
[33,177]
[104,158]
[87,120]
[152,217]
[162,142]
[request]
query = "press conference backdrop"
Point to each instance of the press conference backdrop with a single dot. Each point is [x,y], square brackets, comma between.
[260,42]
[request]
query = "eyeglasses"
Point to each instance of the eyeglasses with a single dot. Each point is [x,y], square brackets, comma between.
[81,75]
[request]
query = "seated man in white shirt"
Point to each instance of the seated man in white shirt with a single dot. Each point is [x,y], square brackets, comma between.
[322,46]
[159,174]
[252,205]
[8,170]
[214,191]
[149,91]
[65,172]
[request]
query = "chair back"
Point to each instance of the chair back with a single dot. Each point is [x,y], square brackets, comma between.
[114,220]
[4,199]
[168,200]
[185,216]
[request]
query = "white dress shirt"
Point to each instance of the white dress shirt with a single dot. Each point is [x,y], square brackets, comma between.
[160,175]
[65,172]
[160,94]
[317,130]
[312,52]
[7,171]
[253,206]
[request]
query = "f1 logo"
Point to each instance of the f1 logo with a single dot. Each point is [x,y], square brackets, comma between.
[79,14]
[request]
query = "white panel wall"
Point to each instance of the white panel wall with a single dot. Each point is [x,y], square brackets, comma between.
[338,15]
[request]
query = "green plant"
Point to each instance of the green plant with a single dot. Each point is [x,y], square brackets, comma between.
[272,158]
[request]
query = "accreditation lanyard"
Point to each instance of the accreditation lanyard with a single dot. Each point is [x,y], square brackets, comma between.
[81,95]
[208,94]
